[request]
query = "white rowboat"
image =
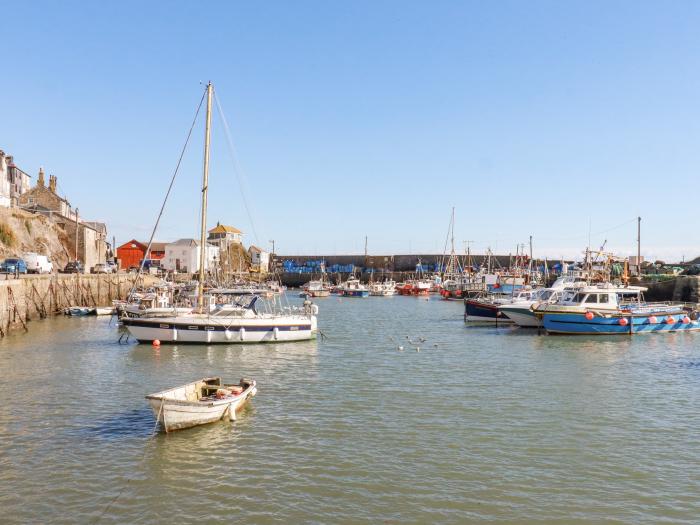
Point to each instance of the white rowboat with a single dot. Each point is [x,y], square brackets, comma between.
[200,402]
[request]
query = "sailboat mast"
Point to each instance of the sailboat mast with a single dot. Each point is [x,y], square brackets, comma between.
[205,189]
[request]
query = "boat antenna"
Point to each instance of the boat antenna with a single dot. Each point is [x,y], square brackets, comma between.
[205,190]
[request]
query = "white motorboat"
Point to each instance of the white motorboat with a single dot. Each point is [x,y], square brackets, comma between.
[104,310]
[521,312]
[200,402]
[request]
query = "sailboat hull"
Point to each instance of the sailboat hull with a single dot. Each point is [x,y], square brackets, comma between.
[166,331]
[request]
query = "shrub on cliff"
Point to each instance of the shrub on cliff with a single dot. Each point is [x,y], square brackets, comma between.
[7,236]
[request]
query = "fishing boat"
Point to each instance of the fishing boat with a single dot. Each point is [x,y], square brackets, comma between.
[382,289]
[486,309]
[200,402]
[353,288]
[316,289]
[608,309]
[239,321]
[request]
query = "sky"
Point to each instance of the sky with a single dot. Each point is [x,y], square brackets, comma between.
[560,120]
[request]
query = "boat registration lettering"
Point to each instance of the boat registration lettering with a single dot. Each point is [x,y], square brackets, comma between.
[293,328]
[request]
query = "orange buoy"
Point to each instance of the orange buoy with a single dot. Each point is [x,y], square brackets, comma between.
[623,321]
[670,320]
[685,320]
[589,316]
[156,342]
[653,320]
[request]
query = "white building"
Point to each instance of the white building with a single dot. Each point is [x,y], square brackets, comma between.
[13,181]
[260,259]
[183,255]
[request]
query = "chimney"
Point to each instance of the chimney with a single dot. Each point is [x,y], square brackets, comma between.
[52,183]
[40,180]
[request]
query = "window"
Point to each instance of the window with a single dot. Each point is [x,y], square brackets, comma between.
[604,298]
[592,298]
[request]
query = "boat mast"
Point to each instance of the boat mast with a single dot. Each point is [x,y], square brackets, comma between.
[205,189]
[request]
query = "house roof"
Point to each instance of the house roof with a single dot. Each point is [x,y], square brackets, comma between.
[221,228]
[254,248]
[98,226]
[187,242]
[158,246]
[133,242]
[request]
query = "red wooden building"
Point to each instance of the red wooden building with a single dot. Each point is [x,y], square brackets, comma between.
[131,254]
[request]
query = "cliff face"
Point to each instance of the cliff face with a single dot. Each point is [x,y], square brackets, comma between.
[22,232]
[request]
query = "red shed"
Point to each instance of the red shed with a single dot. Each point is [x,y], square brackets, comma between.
[131,254]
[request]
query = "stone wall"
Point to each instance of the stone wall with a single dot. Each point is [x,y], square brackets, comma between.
[684,288]
[36,297]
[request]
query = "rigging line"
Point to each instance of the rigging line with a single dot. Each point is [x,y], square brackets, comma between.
[236,167]
[167,194]
[592,233]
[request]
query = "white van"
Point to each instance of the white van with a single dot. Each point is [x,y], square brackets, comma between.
[38,263]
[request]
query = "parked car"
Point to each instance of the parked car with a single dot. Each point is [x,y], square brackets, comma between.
[13,266]
[101,268]
[74,267]
[113,266]
[38,263]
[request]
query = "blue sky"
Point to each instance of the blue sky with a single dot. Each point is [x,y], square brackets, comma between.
[549,119]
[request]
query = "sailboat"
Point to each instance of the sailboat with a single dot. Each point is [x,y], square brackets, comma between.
[239,321]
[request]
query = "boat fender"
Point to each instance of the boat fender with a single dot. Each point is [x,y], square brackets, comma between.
[623,321]
[653,320]
[685,320]
[242,333]
[314,309]
[590,316]
[670,320]
[228,334]
[275,333]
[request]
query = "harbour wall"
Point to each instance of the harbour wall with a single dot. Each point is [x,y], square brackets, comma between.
[377,267]
[34,297]
[683,288]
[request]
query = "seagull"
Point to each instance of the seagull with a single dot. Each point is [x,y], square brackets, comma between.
[400,348]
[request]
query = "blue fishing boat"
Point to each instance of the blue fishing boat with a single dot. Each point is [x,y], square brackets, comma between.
[606,309]
[353,288]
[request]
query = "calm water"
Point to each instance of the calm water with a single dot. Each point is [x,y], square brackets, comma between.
[482,424]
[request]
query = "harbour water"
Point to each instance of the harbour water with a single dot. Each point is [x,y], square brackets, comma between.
[482,423]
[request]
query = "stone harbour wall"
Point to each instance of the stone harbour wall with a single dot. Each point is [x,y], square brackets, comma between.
[38,296]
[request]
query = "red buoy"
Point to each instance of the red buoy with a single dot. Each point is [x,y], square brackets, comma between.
[589,316]
[670,320]
[685,320]
[623,321]
[653,320]
[156,343]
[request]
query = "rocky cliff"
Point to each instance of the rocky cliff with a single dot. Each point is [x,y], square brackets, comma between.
[22,232]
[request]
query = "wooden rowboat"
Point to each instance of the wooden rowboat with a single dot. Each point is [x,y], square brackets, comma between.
[200,402]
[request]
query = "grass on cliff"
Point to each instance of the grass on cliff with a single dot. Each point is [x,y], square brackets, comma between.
[7,236]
